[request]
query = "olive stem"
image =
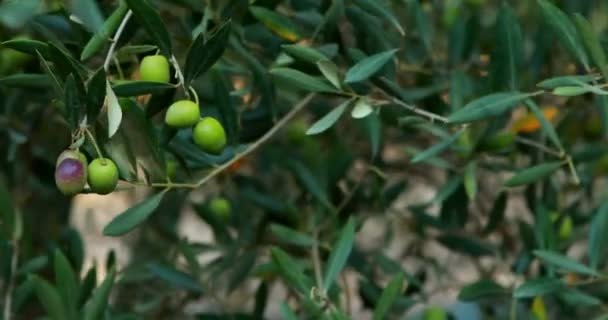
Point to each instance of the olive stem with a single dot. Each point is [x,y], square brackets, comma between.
[8,295]
[97,149]
[194,94]
[543,148]
[428,114]
[179,75]
[121,28]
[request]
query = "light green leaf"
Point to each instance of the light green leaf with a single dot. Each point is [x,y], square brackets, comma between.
[562,81]
[133,216]
[545,124]
[488,106]
[533,174]
[598,236]
[103,35]
[367,67]
[538,287]
[565,263]
[290,236]
[470,180]
[291,271]
[95,308]
[308,54]
[114,110]
[331,72]
[361,109]
[50,299]
[67,281]
[329,119]
[339,254]
[280,25]
[570,91]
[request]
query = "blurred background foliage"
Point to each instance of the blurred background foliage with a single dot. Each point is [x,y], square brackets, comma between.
[482,137]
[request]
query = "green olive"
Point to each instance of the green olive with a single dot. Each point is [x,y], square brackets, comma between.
[154,68]
[182,114]
[209,135]
[220,207]
[435,313]
[102,175]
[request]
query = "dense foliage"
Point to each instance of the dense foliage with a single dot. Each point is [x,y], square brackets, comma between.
[337,150]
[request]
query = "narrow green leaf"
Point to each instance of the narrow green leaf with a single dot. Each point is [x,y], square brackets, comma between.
[330,72]
[564,30]
[308,54]
[72,102]
[67,281]
[570,91]
[339,254]
[149,18]
[545,124]
[26,80]
[598,236]
[562,81]
[96,94]
[50,299]
[592,43]
[280,25]
[497,214]
[466,244]
[533,174]
[378,9]
[87,11]
[560,261]
[482,289]
[105,33]
[488,106]
[301,80]
[388,297]
[127,88]
[578,298]
[291,271]
[133,217]
[470,180]
[114,110]
[287,313]
[57,85]
[28,46]
[361,109]
[424,25]
[202,55]
[367,67]
[96,306]
[329,119]
[508,54]
[177,278]
[310,182]
[538,287]
[289,236]
[436,149]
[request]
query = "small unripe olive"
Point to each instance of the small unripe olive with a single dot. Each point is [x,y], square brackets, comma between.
[183,113]
[220,207]
[155,68]
[296,132]
[70,176]
[209,135]
[102,175]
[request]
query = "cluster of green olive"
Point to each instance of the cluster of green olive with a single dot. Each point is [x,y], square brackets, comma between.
[208,133]
[72,172]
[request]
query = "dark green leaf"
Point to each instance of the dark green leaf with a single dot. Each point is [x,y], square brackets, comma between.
[203,54]
[72,102]
[133,217]
[508,54]
[533,174]
[497,214]
[67,281]
[175,277]
[488,106]
[555,259]
[436,149]
[367,67]
[27,46]
[598,236]
[50,299]
[129,88]
[87,11]
[148,17]
[310,182]
[578,298]
[96,306]
[27,80]
[545,124]
[388,297]
[96,94]
[291,271]
[592,43]
[287,313]
[301,80]
[276,23]
[377,8]
[308,54]
[480,290]
[553,83]
[466,244]
[538,287]
[289,236]
[339,254]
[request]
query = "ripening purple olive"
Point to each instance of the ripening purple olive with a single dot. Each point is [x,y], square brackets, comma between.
[70,176]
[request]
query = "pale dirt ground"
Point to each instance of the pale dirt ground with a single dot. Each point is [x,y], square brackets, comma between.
[92,212]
